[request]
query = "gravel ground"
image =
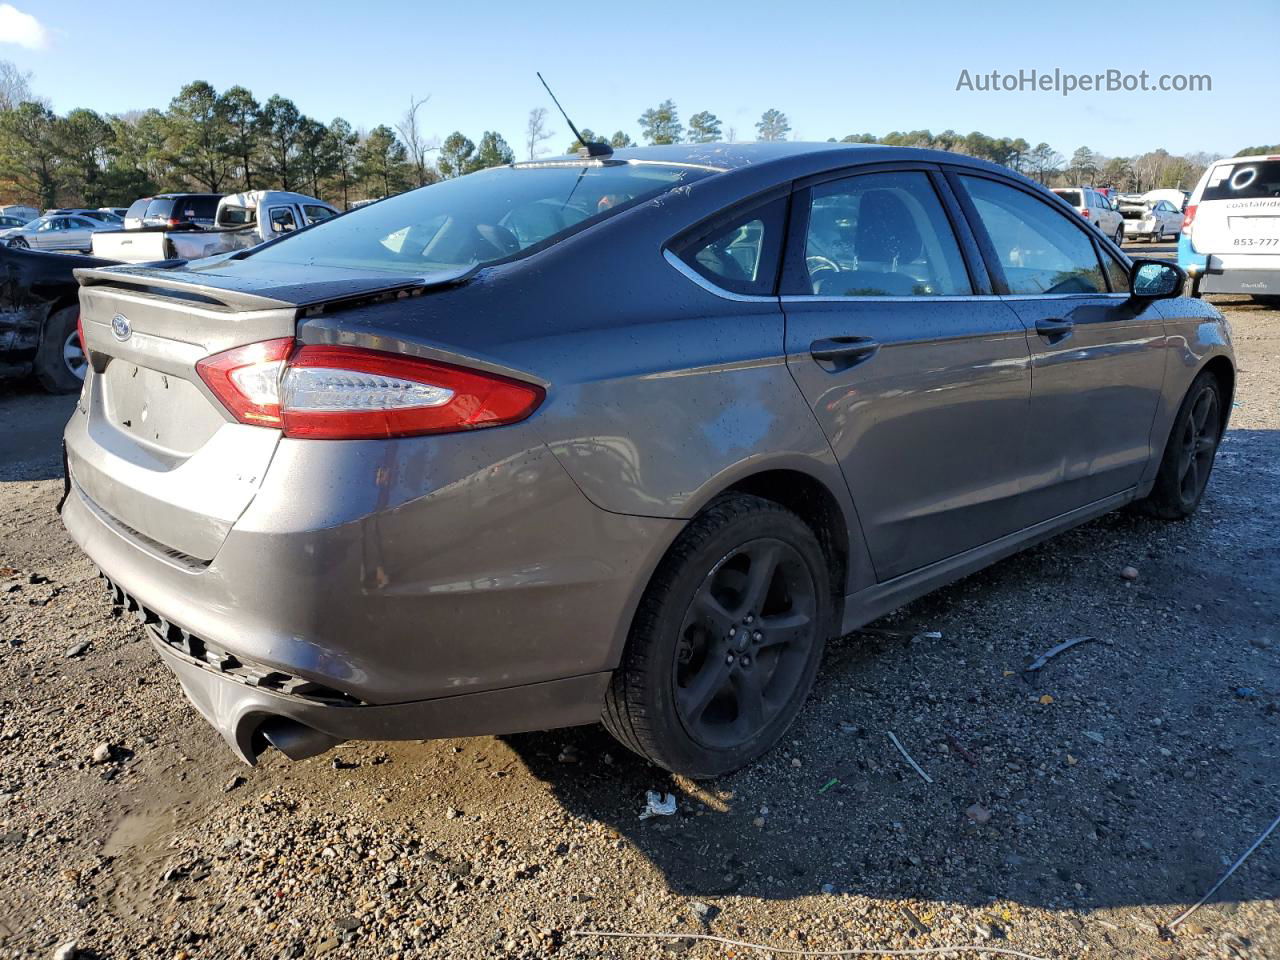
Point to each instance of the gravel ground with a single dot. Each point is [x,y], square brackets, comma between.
[1072,811]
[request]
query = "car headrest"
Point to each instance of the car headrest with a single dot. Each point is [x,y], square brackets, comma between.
[886,230]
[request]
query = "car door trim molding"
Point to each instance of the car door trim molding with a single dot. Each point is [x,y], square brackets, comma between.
[690,274]
[921,298]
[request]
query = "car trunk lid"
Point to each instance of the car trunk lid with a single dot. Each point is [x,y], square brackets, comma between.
[159,454]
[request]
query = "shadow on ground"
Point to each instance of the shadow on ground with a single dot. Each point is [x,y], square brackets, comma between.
[1128,771]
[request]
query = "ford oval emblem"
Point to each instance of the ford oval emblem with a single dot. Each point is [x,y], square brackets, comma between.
[120,327]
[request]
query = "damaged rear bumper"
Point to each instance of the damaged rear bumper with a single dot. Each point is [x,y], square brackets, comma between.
[244,703]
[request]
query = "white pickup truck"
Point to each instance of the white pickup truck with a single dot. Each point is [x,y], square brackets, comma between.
[243,220]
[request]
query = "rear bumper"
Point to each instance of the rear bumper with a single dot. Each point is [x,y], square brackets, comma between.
[237,710]
[1227,279]
[431,595]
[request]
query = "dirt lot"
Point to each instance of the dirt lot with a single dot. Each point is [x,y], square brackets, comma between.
[1120,780]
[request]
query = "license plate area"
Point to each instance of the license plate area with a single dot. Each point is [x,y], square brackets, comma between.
[158,410]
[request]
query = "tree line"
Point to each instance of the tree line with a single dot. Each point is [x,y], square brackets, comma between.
[220,142]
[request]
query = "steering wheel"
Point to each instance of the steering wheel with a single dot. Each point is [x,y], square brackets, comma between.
[817,264]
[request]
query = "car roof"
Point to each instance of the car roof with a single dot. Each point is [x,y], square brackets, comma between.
[786,157]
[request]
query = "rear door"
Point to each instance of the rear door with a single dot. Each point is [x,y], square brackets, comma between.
[1097,357]
[1239,210]
[918,375]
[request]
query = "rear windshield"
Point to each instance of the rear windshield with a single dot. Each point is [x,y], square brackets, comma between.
[1243,181]
[480,218]
[1071,196]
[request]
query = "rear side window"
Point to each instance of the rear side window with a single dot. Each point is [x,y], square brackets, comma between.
[741,255]
[1243,181]
[315,214]
[881,235]
[282,220]
[138,208]
[1040,249]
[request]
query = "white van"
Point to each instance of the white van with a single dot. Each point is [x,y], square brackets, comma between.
[1230,239]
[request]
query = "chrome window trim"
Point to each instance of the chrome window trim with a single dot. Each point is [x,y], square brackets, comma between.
[1066,296]
[690,274]
[920,298]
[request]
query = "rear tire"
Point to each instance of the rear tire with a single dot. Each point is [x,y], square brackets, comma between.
[60,362]
[1119,237]
[726,641]
[1189,453]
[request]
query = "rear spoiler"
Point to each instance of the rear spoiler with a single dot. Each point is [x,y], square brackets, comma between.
[246,294]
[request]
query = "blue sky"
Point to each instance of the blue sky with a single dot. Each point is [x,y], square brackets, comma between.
[833,67]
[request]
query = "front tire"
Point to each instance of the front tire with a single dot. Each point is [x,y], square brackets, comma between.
[1119,237]
[726,641]
[1189,454]
[19,243]
[60,363]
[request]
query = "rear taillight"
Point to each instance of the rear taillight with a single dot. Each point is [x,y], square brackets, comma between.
[1188,216]
[347,393]
[174,221]
[84,347]
[1085,213]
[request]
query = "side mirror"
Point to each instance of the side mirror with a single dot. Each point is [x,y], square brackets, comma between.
[1156,279]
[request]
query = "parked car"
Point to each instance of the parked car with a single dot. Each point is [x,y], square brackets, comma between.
[181,209]
[1177,198]
[8,223]
[242,220]
[39,307]
[1230,239]
[55,233]
[621,439]
[1149,220]
[23,213]
[105,216]
[117,211]
[1095,208]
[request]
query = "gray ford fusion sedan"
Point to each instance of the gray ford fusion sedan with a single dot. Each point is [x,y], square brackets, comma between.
[620,438]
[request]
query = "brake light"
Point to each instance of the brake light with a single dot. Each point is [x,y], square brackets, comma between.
[345,393]
[1085,213]
[84,347]
[174,221]
[1188,215]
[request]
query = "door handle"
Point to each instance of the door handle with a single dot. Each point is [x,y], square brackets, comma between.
[1053,329]
[844,352]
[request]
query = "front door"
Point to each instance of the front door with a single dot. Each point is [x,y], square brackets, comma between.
[1097,356]
[921,381]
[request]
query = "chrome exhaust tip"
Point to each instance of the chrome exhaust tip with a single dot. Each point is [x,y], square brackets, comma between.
[295,740]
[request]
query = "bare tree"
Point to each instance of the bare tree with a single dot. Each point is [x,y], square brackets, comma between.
[417,145]
[537,131]
[15,86]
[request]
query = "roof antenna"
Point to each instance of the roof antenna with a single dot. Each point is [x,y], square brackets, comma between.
[587,150]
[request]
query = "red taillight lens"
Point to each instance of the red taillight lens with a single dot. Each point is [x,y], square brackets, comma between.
[174,221]
[1085,213]
[347,393]
[1188,215]
[247,379]
[80,333]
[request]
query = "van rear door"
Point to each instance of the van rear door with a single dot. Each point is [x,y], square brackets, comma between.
[1239,209]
